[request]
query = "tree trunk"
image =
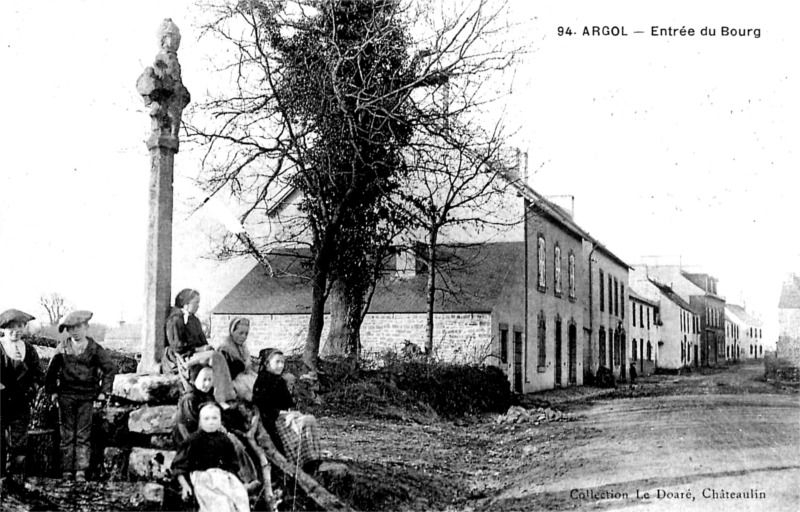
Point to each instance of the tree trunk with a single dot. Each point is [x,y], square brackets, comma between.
[431,291]
[317,319]
[344,338]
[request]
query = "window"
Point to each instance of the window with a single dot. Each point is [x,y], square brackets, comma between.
[602,347]
[633,310]
[557,270]
[616,297]
[602,292]
[761,351]
[649,351]
[648,318]
[610,296]
[633,349]
[542,276]
[503,344]
[617,339]
[641,315]
[571,275]
[542,342]
[622,300]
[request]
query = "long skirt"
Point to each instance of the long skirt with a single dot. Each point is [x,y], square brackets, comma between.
[247,469]
[299,436]
[217,490]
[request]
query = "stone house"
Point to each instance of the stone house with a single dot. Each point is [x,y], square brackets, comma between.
[480,318]
[679,345]
[734,327]
[645,332]
[788,346]
[700,291]
[606,342]
[751,336]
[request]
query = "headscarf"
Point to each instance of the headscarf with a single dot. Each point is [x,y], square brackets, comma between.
[194,371]
[265,355]
[242,348]
[184,297]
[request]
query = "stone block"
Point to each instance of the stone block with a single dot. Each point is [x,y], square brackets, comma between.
[158,419]
[150,464]
[152,389]
[162,441]
[115,463]
[113,424]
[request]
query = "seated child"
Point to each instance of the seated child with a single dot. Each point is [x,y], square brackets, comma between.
[188,416]
[237,355]
[208,458]
[294,434]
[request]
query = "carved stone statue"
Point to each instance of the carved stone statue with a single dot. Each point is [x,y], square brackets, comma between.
[162,88]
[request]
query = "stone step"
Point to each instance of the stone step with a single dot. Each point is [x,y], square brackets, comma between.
[151,389]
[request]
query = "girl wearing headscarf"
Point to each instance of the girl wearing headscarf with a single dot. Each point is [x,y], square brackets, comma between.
[201,378]
[293,433]
[20,380]
[187,345]
[237,355]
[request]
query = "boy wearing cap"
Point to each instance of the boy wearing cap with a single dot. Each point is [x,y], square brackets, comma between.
[80,374]
[20,378]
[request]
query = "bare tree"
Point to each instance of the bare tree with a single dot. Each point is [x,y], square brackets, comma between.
[55,305]
[326,95]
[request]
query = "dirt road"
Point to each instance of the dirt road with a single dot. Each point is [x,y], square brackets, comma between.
[717,441]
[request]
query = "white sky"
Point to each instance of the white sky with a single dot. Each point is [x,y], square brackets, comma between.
[670,145]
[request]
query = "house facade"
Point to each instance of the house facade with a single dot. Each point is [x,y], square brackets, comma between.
[700,292]
[645,332]
[733,335]
[788,346]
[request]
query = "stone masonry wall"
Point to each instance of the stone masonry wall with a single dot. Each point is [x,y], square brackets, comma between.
[458,337]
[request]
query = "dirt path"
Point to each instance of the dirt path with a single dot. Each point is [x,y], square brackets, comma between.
[720,432]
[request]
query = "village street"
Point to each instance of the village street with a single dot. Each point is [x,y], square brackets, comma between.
[678,439]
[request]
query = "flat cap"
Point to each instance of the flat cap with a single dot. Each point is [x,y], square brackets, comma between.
[75,318]
[14,316]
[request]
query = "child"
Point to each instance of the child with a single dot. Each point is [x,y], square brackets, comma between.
[207,457]
[81,373]
[20,378]
[187,344]
[188,416]
[293,433]
[237,355]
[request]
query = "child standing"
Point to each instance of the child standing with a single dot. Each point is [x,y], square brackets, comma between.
[80,374]
[207,457]
[20,378]
[294,434]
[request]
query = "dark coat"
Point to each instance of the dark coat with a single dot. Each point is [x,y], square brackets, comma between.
[20,379]
[271,395]
[184,337]
[188,415]
[85,375]
[205,450]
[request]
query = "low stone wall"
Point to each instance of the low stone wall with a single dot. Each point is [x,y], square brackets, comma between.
[458,337]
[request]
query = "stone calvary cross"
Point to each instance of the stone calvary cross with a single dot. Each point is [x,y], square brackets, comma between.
[164,94]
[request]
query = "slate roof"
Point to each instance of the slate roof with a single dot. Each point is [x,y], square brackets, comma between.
[743,315]
[671,295]
[790,295]
[556,213]
[478,276]
[633,295]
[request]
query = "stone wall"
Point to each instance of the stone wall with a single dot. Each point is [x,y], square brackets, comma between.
[458,337]
[788,346]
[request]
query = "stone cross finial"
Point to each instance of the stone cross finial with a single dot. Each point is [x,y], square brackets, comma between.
[162,89]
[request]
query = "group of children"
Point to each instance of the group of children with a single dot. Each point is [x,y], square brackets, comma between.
[211,463]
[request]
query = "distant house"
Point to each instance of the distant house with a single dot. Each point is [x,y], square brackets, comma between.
[734,327]
[124,337]
[789,320]
[480,318]
[699,291]
[644,328]
[750,338]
